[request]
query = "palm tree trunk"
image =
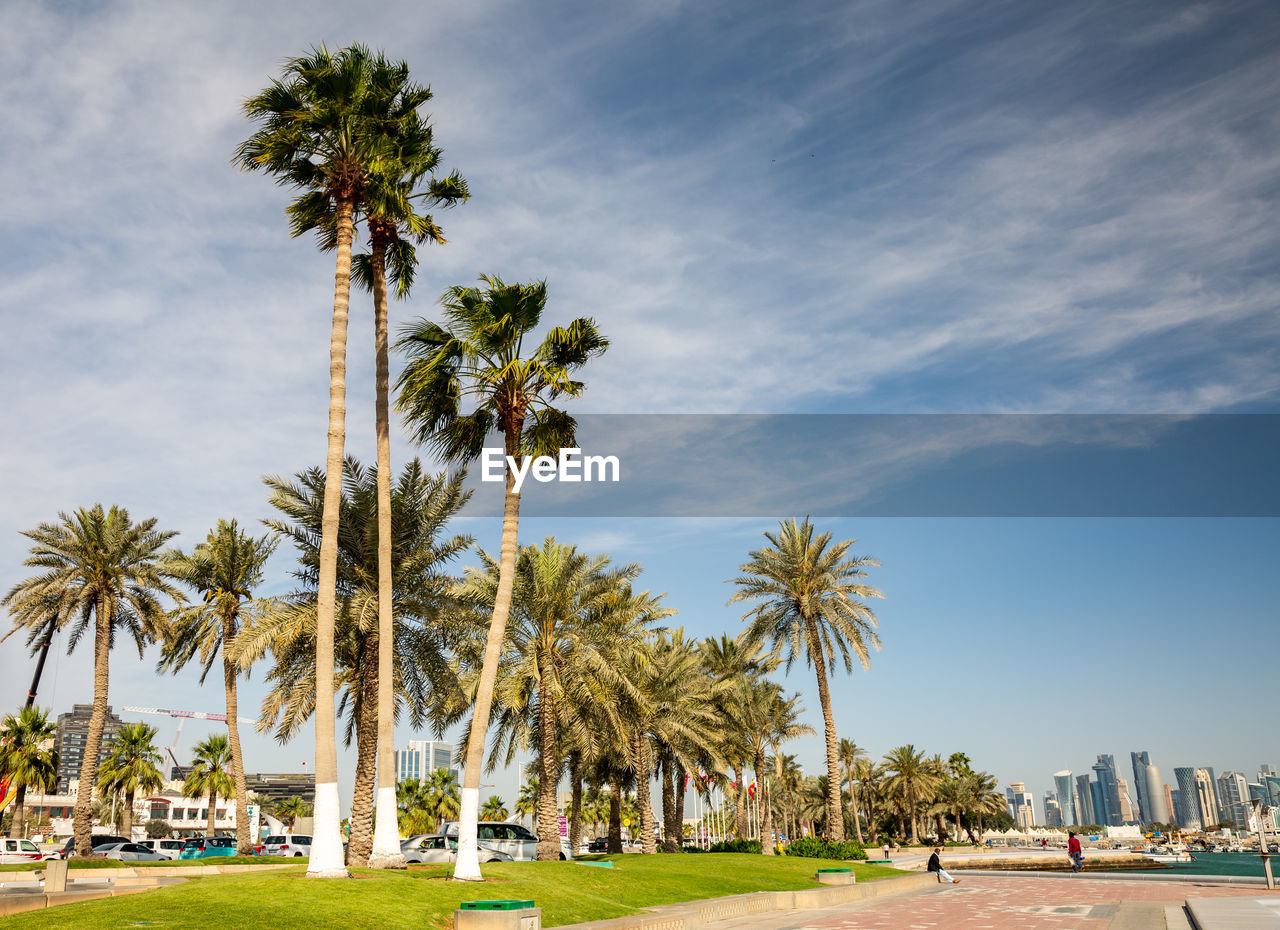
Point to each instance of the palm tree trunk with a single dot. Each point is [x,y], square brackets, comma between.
[911,812]
[244,843]
[740,803]
[548,776]
[210,827]
[361,842]
[17,827]
[386,837]
[575,810]
[467,866]
[82,819]
[670,816]
[615,814]
[835,820]
[126,818]
[681,788]
[766,807]
[326,841]
[648,836]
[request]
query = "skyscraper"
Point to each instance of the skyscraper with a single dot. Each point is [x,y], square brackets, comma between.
[1188,805]
[1108,789]
[73,730]
[1066,796]
[1170,809]
[1207,798]
[1127,813]
[1233,796]
[1021,805]
[1052,812]
[423,757]
[1140,762]
[1084,801]
[1157,796]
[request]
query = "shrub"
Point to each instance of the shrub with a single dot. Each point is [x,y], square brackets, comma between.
[739,846]
[811,847]
[158,830]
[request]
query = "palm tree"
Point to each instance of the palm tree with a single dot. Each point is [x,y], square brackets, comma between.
[527,800]
[99,566]
[223,570]
[569,613]
[330,125]
[289,810]
[440,794]
[850,752]
[209,776]
[133,765]
[494,809]
[811,604]
[911,778]
[479,356]
[27,759]
[421,506]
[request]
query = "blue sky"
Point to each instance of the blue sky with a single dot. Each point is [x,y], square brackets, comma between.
[799,208]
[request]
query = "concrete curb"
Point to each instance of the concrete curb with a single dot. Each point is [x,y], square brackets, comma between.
[693,915]
[1120,876]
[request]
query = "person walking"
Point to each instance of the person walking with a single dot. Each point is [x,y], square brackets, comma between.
[1075,852]
[886,851]
[935,865]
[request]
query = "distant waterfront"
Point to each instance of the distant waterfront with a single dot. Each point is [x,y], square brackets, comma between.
[1207,863]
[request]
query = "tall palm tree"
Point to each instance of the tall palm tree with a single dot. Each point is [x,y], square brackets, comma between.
[209,775]
[440,794]
[290,809]
[224,570]
[912,777]
[494,808]
[811,604]
[326,127]
[479,357]
[133,765]
[27,759]
[527,800]
[850,752]
[97,565]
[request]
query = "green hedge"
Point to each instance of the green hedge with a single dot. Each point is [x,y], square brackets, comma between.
[810,847]
[739,846]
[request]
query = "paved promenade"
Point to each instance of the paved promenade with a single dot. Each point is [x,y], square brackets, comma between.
[1015,902]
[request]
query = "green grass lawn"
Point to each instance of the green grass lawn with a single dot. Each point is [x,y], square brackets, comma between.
[423,896]
[77,863]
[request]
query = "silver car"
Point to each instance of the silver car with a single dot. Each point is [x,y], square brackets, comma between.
[516,840]
[170,849]
[439,848]
[129,852]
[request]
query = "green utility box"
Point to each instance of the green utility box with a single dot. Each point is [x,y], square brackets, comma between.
[836,877]
[498,905]
[506,914]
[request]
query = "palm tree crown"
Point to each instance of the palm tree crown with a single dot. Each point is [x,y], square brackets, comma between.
[133,765]
[208,775]
[27,758]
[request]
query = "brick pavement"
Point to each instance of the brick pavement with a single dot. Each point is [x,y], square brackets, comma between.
[1017,902]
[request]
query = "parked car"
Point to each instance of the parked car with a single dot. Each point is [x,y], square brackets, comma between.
[13,852]
[170,849]
[101,839]
[517,841]
[130,852]
[599,844]
[439,848]
[205,847]
[287,844]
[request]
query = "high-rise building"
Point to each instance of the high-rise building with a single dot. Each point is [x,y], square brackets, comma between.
[1099,803]
[1188,804]
[73,730]
[1084,801]
[1233,796]
[1170,809]
[1141,761]
[1021,805]
[1066,796]
[1052,812]
[1127,813]
[1105,772]
[1265,769]
[1157,796]
[422,757]
[1207,799]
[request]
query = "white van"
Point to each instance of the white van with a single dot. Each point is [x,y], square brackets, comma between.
[287,844]
[516,840]
[14,852]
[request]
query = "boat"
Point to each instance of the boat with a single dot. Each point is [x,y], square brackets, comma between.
[1166,854]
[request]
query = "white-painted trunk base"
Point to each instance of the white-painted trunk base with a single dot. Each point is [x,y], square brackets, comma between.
[386,833]
[467,868]
[327,860]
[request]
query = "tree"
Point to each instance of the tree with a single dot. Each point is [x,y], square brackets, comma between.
[97,566]
[224,570]
[27,759]
[911,777]
[479,357]
[208,775]
[133,765]
[494,809]
[811,603]
[329,125]
[421,506]
[850,752]
[158,830]
[289,810]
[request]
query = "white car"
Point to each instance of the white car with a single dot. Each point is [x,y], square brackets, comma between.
[170,849]
[129,852]
[14,852]
[517,841]
[287,844]
[439,848]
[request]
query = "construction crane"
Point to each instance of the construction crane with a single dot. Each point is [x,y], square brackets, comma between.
[183,716]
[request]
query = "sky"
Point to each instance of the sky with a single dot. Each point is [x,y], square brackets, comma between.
[809,208]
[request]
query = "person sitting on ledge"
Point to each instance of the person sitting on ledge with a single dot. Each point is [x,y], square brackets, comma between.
[935,865]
